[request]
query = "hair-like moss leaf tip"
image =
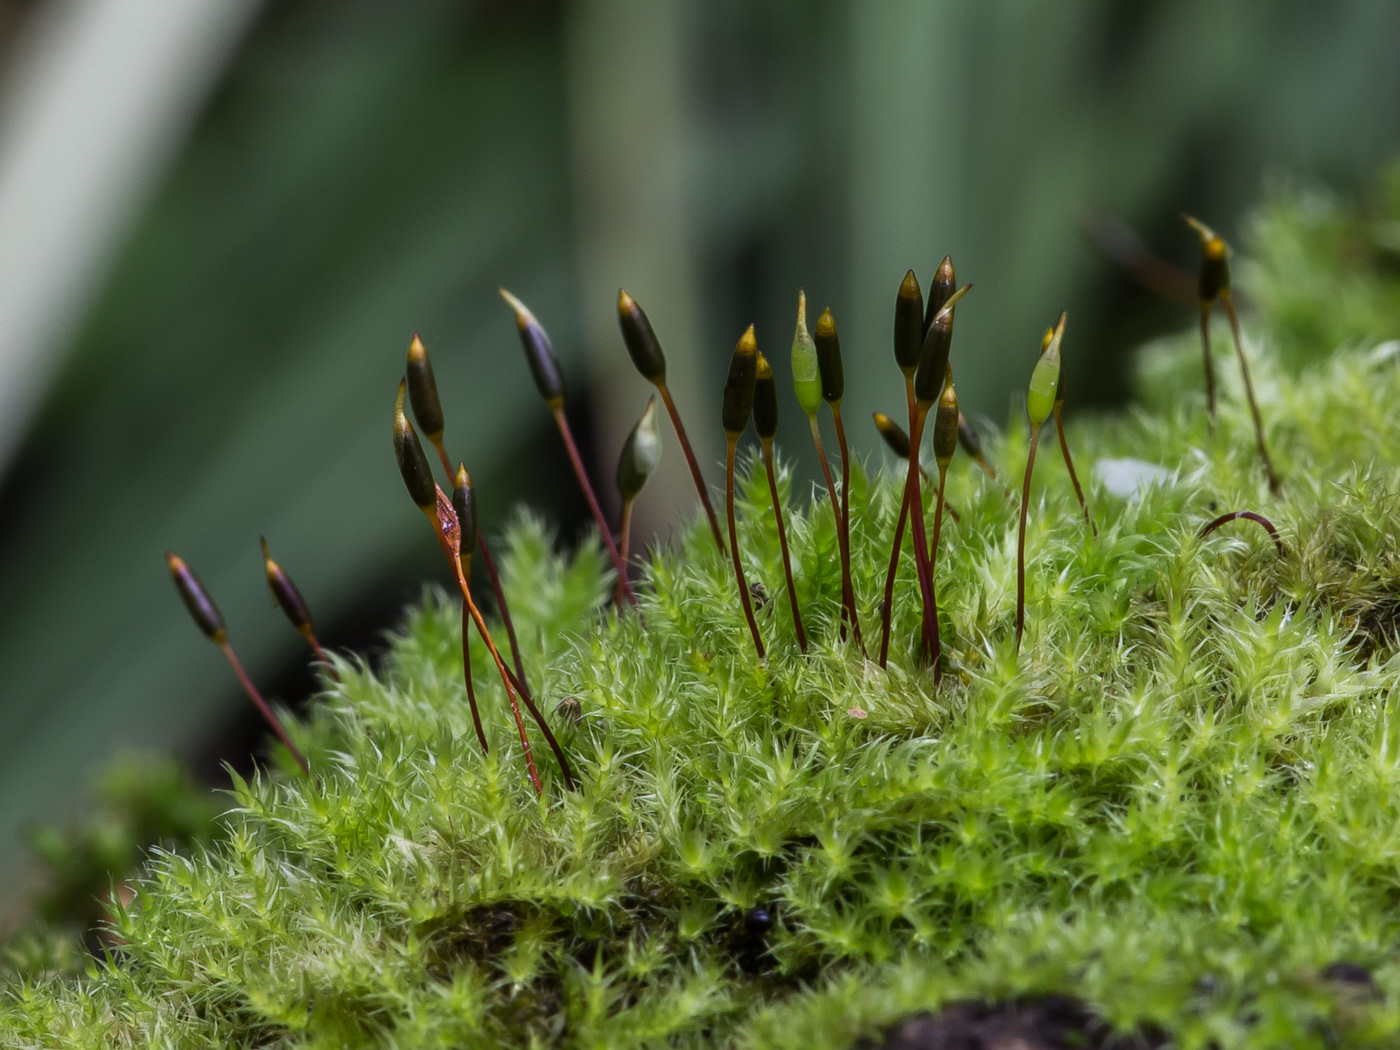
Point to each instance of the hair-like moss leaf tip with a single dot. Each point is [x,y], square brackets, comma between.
[640,339]
[413,464]
[284,591]
[202,609]
[422,390]
[539,351]
[641,453]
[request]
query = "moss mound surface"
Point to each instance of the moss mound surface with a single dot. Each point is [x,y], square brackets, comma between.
[1179,806]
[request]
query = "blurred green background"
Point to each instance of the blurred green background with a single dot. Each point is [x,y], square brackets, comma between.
[210,297]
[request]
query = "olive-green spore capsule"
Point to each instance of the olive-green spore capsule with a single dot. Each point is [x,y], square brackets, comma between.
[641,453]
[422,391]
[413,464]
[464,504]
[765,401]
[938,344]
[642,344]
[939,291]
[829,359]
[1045,379]
[202,609]
[285,593]
[894,435]
[737,403]
[806,377]
[908,324]
[539,352]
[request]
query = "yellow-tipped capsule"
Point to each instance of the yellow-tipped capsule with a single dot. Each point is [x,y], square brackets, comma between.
[285,593]
[894,435]
[737,403]
[413,465]
[1045,380]
[833,377]
[765,401]
[1045,345]
[908,324]
[642,345]
[464,506]
[422,391]
[202,608]
[945,424]
[641,453]
[938,344]
[1215,266]
[539,352]
[806,378]
[940,291]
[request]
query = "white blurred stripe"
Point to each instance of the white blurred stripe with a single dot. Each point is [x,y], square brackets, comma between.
[98,98]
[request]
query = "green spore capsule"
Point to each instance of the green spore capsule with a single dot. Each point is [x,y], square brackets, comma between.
[539,352]
[422,390]
[737,404]
[908,324]
[1045,380]
[284,592]
[765,401]
[894,435]
[641,342]
[641,453]
[202,609]
[940,291]
[1215,262]
[829,359]
[464,504]
[413,464]
[806,379]
[938,344]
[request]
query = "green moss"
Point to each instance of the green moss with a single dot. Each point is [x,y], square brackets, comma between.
[1181,803]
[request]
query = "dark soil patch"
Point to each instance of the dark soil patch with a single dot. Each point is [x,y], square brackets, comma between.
[1052,1022]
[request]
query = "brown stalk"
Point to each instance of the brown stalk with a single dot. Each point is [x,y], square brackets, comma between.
[690,462]
[1069,463]
[1249,389]
[887,606]
[496,590]
[848,598]
[1021,539]
[1248,515]
[624,540]
[568,435]
[782,541]
[443,519]
[731,442]
[262,706]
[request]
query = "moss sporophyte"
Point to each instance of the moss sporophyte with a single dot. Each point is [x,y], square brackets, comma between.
[1151,767]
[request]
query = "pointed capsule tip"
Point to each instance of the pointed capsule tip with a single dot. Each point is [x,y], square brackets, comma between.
[826,324]
[945,268]
[267,554]
[764,370]
[461,479]
[748,342]
[909,287]
[175,562]
[523,317]
[398,400]
[625,303]
[416,349]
